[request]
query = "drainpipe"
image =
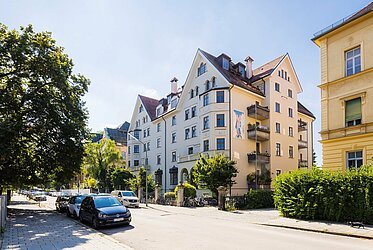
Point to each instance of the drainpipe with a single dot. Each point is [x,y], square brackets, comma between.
[229,131]
[165,154]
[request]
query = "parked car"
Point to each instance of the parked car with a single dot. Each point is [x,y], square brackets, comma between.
[74,205]
[102,210]
[39,196]
[61,203]
[127,198]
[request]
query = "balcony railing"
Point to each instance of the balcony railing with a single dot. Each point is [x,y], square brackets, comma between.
[258,112]
[302,144]
[258,157]
[302,126]
[186,158]
[258,132]
[303,164]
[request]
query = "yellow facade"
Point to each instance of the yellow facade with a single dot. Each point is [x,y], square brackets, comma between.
[338,137]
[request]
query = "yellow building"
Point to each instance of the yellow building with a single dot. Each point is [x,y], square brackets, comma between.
[346,50]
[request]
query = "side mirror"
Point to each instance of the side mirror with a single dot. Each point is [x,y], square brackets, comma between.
[119,195]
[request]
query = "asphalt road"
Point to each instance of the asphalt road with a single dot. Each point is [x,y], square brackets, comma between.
[193,229]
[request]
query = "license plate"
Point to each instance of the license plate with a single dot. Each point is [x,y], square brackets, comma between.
[118,219]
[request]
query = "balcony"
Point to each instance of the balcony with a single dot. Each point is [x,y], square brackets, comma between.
[302,144]
[258,132]
[258,112]
[186,158]
[302,126]
[303,164]
[258,157]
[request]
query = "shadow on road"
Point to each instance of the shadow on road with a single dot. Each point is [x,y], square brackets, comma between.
[109,230]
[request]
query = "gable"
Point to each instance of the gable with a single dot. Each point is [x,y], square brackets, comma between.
[287,65]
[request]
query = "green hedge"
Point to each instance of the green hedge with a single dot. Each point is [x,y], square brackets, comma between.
[170,195]
[255,199]
[189,190]
[325,195]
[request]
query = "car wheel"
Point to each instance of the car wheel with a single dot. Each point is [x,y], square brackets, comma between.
[68,213]
[81,218]
[94,223]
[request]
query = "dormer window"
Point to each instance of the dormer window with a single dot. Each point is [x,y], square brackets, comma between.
[225,64]
[168,99]
[241,69]
[174,103]
[202,69]
[159,111]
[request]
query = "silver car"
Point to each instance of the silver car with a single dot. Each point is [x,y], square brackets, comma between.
[127,198]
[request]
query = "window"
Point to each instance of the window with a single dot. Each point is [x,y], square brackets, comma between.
[220,96]
[143,120]
[213,80]
[354,159]
[278,172]
[194,111]
[191,93]
[220,120]
[141,108]
[241,69]
[129,149]
[207,85]
[197,91]
[136,163]
[353,112]
[225,63]
[282,73]
[173,136]
[277,107]
[290,93]
[286,75]
[278,149]
[277,86]
[278,127]
[173,121]
[291,152]
[194,131]
[186,114]
[159,111]
[158,142]
[173,156]
[290,112]
[206,145]
[206,122]
[279,73]
[352,61]
[129,163]
[148,146]
[136,134]
[220,143]
[158,159]
[144,147]
[144,133]
[187,131]
[158,127]
[206,100]
[136,148]
[173,175]
[174,103]
[148,131]
[291,132]
[190,150]
[202,69]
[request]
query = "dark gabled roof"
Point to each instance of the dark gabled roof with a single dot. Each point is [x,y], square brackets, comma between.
[96,137]
[234,79]
[266,69]
[302,109]
[150,106]
[124,126]
[117,135]
[344,21]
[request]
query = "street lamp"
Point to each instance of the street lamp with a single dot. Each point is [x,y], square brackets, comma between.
[146,164]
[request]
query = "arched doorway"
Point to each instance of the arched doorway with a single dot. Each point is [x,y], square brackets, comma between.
[184,175]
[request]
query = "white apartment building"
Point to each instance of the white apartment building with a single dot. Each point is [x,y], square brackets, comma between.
[251,116]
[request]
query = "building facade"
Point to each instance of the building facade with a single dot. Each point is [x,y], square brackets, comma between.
[251,116]
[346,50]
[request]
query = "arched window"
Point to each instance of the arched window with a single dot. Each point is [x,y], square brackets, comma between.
[173,175]
[213,79]
[191,93]
[207,85]
[197,91]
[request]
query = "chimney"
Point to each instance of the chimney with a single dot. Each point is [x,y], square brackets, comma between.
[249,67]
[174,85]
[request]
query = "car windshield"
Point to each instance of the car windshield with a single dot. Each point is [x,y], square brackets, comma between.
[106,202]
[128,193]
[79,199]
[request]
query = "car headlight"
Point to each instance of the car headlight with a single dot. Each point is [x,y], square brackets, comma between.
[102,215]
[128,212]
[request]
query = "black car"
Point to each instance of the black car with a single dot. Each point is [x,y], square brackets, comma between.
[103,210]
[62,203]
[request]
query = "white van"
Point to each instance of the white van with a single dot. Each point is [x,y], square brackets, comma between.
[127,198]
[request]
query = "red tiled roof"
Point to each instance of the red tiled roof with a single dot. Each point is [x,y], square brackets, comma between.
[302,109]
[150,106]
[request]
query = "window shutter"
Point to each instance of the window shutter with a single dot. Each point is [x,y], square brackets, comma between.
[353,109]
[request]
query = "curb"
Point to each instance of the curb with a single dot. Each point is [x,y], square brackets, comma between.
[317,231]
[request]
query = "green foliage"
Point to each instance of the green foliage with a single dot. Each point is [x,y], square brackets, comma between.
[139,181]
[121,178]
[100,161]
[325,195]
[189,190]
[255,199]
[170,195]
[214,172]
[42,116]
[91,183]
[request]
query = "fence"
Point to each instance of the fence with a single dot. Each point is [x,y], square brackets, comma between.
[3,212]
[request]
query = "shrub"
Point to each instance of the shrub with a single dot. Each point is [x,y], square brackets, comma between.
[189,190]
[325,195]
[259,199]
[170,195]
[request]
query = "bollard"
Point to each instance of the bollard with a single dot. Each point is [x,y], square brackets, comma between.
[180,195]
[158,189]
[222,191]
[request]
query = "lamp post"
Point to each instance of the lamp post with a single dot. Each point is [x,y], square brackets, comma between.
[146,164]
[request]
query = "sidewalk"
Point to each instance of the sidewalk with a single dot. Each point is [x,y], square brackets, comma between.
[271,217]
[32,227]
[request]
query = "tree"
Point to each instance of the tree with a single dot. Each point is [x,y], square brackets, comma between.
[121,178]
[313,157]
[100,160]
[140,182]
[42,116]
[214,172]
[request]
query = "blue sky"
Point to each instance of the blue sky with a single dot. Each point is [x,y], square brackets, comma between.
[135,47]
